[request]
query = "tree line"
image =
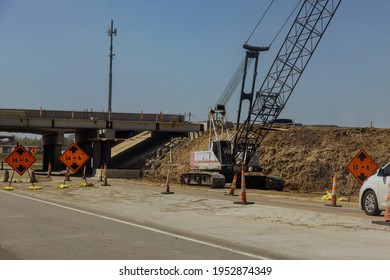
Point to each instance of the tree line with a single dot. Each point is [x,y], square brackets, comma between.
[37,141]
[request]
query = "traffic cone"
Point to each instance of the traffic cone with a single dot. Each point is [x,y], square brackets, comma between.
[101,174]
[387,210]
[32,180]
[243,189]
[167,191]
[67,178]
[233,186]
[333,197]
[48,171]
[67,175]
[386,218]
[84,171]
[105,183]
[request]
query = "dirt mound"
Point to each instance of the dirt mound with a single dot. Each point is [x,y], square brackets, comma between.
[306,157]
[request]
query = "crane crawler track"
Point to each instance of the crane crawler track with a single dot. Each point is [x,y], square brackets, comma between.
[212,179]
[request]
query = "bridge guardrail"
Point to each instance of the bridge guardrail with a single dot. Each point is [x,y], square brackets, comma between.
[58,114]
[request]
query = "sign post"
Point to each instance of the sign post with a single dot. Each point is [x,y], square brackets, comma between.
[74,158]
[21,160]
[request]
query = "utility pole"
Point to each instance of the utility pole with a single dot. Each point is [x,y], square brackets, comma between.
[111,32]
[109,131]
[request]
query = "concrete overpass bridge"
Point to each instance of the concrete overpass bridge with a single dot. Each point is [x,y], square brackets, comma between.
[93,131]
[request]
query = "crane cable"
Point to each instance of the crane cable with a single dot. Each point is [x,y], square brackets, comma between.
[254,29]
[232,84]
[238,74]
[280,30]
[284,24]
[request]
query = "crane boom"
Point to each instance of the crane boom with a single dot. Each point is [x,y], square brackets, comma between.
[218,165]
[299,45]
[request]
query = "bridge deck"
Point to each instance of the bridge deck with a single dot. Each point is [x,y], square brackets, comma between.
[46,121]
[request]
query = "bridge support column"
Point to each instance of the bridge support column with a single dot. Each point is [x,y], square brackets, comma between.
[84,139]
[107,135]
[52,147]
[97,155]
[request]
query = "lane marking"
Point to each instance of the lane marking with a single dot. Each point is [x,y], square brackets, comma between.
[143,227]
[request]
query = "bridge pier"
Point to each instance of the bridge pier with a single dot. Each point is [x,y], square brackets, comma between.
[106,136]
[84,139]
[97,155]
[52,148]
[97,144]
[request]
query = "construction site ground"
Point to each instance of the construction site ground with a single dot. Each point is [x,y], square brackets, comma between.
[279,225]
[292,224]
[306,157]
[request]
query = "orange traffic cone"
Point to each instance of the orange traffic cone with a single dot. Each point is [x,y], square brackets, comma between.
[48,171]
[101,174]
[105,183]
[233,186]
[387,210]
[333,198]
[84,171]
[67,175]
[168,191]
[243,189]
[386,219]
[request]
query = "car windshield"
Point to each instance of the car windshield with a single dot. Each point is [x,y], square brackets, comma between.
[385,170]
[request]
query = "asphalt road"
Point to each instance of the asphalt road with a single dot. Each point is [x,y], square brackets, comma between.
[133,220]
[35,229]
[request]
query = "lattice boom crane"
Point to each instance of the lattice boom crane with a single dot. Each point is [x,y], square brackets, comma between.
[298,47]
[226,157]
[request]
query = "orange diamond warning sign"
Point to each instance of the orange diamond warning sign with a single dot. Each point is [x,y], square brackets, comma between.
[74,157]
[361,166]
[20,159]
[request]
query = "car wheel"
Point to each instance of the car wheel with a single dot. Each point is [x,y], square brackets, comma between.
[370,203]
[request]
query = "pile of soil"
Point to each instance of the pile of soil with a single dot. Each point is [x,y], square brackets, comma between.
[307,158]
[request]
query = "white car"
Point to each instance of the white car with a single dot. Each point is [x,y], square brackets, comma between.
[373,193]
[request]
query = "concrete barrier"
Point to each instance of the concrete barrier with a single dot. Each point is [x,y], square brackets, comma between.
[25,177]
[120,173]
[4,175]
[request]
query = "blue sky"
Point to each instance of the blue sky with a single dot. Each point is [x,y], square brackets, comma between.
[176,56]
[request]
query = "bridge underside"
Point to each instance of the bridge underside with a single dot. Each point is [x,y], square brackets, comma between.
[95,135]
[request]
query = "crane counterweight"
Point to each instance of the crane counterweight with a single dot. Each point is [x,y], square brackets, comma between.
[254,48]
